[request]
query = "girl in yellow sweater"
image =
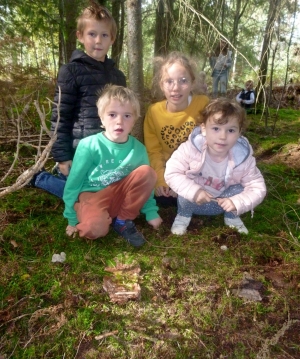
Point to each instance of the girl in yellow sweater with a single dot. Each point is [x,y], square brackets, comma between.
[169,122]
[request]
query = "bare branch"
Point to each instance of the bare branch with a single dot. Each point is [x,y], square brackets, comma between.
[41,157]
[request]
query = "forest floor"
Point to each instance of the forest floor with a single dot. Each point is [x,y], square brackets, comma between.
[290,157]
[212,293]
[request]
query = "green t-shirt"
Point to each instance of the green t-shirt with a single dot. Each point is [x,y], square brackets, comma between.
[99,162]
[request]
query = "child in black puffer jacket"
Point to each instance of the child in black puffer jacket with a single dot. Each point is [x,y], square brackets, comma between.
[80,82]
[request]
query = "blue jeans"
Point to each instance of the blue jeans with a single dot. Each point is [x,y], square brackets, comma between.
[187,208]
[50,183]
[220,78]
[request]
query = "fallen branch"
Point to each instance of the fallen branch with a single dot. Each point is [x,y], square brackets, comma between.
[41,157]
[264,351]
[105,335]
[18,121]
[24,179]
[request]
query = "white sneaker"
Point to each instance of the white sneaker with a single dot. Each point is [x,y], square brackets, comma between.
[236,223]
[180,225]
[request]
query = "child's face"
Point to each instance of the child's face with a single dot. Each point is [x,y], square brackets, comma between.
[118,120]
[96,38]
[220,138]
[176,85]
[249,85]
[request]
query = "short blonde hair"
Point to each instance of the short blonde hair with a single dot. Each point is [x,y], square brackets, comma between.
[99,13]
[249,82]
[229,109]
[120,93]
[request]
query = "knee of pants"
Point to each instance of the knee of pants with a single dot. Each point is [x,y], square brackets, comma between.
[148,173]
[95,226]
[98,234]
[92,230]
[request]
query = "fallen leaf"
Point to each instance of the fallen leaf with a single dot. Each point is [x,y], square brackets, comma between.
[14,243]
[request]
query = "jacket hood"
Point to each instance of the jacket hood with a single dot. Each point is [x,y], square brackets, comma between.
[81,56]
[239,152]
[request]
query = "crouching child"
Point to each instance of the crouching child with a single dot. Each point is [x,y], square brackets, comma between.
[110,181]
[214,171]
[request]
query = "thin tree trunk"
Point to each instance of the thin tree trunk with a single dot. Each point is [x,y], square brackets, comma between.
[62,43]
[118,13]
[287,64]
[135,58]
[288,52]
[70,26]
[163,22]
[263,70]
[239,11]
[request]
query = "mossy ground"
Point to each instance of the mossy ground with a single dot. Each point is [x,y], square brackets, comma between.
[187,307]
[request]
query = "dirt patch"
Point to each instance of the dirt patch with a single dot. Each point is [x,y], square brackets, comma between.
[289,155]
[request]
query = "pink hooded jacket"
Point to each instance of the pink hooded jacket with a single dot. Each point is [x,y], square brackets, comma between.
[183,171]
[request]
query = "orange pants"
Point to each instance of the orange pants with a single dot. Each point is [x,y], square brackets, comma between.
[122,199]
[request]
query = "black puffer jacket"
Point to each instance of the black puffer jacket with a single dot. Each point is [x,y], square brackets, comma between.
[80,81]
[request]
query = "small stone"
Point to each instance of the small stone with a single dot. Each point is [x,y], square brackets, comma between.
[224,248]
[60,258]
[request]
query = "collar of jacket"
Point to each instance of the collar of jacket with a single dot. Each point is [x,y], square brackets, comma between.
[82,57]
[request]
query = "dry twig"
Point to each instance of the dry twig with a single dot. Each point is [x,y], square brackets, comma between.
[41,157]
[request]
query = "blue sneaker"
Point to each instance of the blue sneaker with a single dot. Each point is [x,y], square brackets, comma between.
[129,232]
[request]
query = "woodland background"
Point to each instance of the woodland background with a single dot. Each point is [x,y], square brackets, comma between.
[36,38]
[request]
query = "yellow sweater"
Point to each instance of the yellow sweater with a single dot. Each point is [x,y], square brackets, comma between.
[164,131]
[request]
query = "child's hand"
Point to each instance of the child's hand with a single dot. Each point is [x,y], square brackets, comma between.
[162,191]
[226,204]
[155,223]
[71,231]
[202,197]
[64,167]
[173,194]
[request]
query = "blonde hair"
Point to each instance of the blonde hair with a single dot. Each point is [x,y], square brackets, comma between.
[98,13]
[161,65]
[120,93]
[229,109]
[249,82]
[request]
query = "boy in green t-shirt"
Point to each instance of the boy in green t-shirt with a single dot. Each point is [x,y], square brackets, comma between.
[110,179]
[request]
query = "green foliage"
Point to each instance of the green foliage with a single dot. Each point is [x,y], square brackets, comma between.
[31,33]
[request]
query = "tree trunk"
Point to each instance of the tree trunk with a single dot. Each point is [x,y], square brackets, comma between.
[118,13]
[135,58]
[67,29]
[71,7]
[263,70]
[62,43]
[163,23]
[239,11]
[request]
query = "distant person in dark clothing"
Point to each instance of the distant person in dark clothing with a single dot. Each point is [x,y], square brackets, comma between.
[246,97]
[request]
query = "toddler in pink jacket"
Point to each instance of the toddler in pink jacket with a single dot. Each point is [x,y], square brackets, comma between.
[214,171]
